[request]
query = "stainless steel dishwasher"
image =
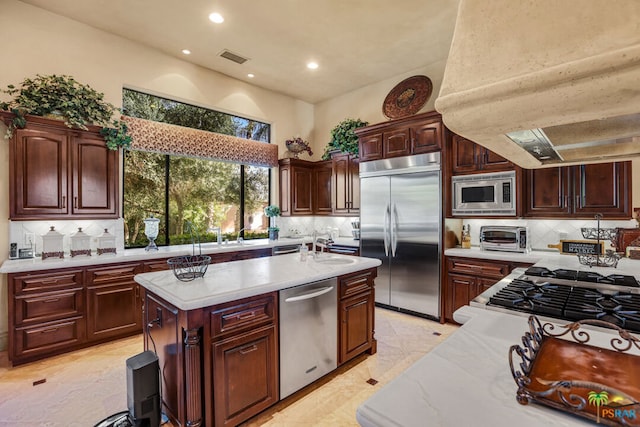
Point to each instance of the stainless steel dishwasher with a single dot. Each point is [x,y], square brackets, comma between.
[308,334]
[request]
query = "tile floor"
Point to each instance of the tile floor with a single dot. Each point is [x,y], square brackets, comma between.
[83,387]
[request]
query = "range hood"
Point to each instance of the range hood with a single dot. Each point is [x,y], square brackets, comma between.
[547,82]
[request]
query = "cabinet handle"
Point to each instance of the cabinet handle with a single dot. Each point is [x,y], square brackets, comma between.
[247,316]
[248,349]
[578,204]
[566,202]
[75,202]
[50,282]
[51,300]
[64,200]
[47,331]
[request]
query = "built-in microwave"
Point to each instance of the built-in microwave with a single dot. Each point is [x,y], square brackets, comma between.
[484,194]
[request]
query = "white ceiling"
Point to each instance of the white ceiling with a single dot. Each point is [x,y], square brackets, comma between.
[356,42]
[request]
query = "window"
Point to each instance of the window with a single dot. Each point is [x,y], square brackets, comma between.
[180,190]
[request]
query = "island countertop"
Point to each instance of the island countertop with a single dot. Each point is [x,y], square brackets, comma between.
[229,281]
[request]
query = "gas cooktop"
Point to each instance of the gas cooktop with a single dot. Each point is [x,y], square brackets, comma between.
[573,295]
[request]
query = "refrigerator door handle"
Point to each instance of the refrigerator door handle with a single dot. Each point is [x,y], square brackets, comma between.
[385,232]
[394,231]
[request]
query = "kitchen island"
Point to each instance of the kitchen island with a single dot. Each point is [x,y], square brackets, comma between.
[217,337]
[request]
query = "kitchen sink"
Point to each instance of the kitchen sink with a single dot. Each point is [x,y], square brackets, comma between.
[335,260]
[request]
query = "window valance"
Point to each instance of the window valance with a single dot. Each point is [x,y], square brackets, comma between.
[165,138]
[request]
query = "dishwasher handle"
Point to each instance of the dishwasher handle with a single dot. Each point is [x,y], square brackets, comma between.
[310,295]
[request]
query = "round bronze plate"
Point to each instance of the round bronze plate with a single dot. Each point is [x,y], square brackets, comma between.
[407,97]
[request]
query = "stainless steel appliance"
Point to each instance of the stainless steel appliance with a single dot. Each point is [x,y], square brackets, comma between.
[308,334]
[400,220]
[568,295]
[484,194]
[504,238]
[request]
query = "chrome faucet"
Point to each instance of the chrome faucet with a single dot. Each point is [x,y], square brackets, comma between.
[320,242]
[218,232]
[239,239]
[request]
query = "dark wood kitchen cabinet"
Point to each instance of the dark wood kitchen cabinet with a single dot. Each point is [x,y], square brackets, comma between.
[346,184]
[296,190]
[469,157]
[322,173]
[245,364]
[356,315]
[469,277]
[57,173]
[114,306]
[579,191]
[421,133]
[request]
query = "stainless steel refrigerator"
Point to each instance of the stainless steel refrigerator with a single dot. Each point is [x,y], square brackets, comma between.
[400,220]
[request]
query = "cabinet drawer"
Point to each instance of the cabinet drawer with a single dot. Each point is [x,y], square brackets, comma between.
[355,283]
[48,337]
[494,269]
[45,282]
[157,265]
[113,274]
[236,317]
[49,306]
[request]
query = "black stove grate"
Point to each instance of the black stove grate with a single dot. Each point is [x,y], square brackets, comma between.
[621,309]
[524,295]
[584,276]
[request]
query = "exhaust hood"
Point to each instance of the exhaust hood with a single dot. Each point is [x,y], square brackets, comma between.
[547,82]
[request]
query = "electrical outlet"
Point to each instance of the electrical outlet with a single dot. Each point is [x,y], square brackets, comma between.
[562,235]
[29,239]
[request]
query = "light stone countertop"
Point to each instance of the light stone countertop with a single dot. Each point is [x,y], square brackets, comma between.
[230,281]
[466,381]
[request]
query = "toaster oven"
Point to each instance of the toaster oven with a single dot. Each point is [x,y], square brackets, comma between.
[504,238]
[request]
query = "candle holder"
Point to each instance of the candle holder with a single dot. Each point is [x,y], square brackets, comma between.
[151,231]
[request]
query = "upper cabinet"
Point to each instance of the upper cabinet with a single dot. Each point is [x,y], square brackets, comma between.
[296,192]
[469,157]
[422,133]
[346,184]
[579,191]
[56,173]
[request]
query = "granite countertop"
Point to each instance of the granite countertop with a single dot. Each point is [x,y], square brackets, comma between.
[466,381]
[230,281]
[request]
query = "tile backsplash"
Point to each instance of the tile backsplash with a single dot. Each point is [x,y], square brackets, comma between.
[305,225]
[544,232]
[20,231]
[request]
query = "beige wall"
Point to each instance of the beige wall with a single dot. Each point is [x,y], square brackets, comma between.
[38,42]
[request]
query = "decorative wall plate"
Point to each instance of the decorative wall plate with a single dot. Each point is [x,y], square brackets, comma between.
[407,97]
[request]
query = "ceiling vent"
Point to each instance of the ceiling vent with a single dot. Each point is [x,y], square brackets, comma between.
[233,57]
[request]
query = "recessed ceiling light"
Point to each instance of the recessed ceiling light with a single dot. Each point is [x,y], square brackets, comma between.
[186,51]
[251,75]
[312,65]
[216,18]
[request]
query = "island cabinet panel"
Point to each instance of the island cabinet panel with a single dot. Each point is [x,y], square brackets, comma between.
[469,277]
[579,191]
[46,313]
[418,134]
[113,302]
[244,358]
[59,173]
[356,315]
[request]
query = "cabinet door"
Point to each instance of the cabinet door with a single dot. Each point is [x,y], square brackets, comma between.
[285,190]
[322,172]
[113,301]
[460,289]
[396,143]
[245,375]
[463,155]
[602,188]
[547,192]
[94,177]
[302,191]
[426,138]
[356,325]
[39,181]
[370,147]
[341,184]
[494,162]
[354,185]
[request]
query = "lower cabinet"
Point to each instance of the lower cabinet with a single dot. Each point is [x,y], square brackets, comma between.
[356,315]
[469,277]
[245,375]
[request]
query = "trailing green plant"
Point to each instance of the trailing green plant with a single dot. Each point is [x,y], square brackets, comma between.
[61,95]
[343,138]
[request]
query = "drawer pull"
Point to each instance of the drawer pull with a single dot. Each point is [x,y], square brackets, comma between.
[50,282]
[248,349]
[246,316]
[47,331]
[51,300]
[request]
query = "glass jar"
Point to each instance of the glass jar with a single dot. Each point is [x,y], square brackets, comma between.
[80,243]
[151,226]
[106,243]
[52,244]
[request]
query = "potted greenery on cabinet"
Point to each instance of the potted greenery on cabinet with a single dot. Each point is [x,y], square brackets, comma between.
[343,138]
[62,97]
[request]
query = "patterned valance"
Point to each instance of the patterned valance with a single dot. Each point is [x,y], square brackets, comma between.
[160,137]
